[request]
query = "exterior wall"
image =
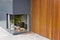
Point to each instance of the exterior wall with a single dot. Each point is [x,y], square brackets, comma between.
[21,6]
[45,18]
[12,6]
[5,7]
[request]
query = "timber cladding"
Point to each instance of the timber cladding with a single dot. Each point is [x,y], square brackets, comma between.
[45,18]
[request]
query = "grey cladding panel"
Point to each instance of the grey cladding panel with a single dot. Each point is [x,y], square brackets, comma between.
[21,6]
[5,7]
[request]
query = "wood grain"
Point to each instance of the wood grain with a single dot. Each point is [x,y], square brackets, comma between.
[45,18]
